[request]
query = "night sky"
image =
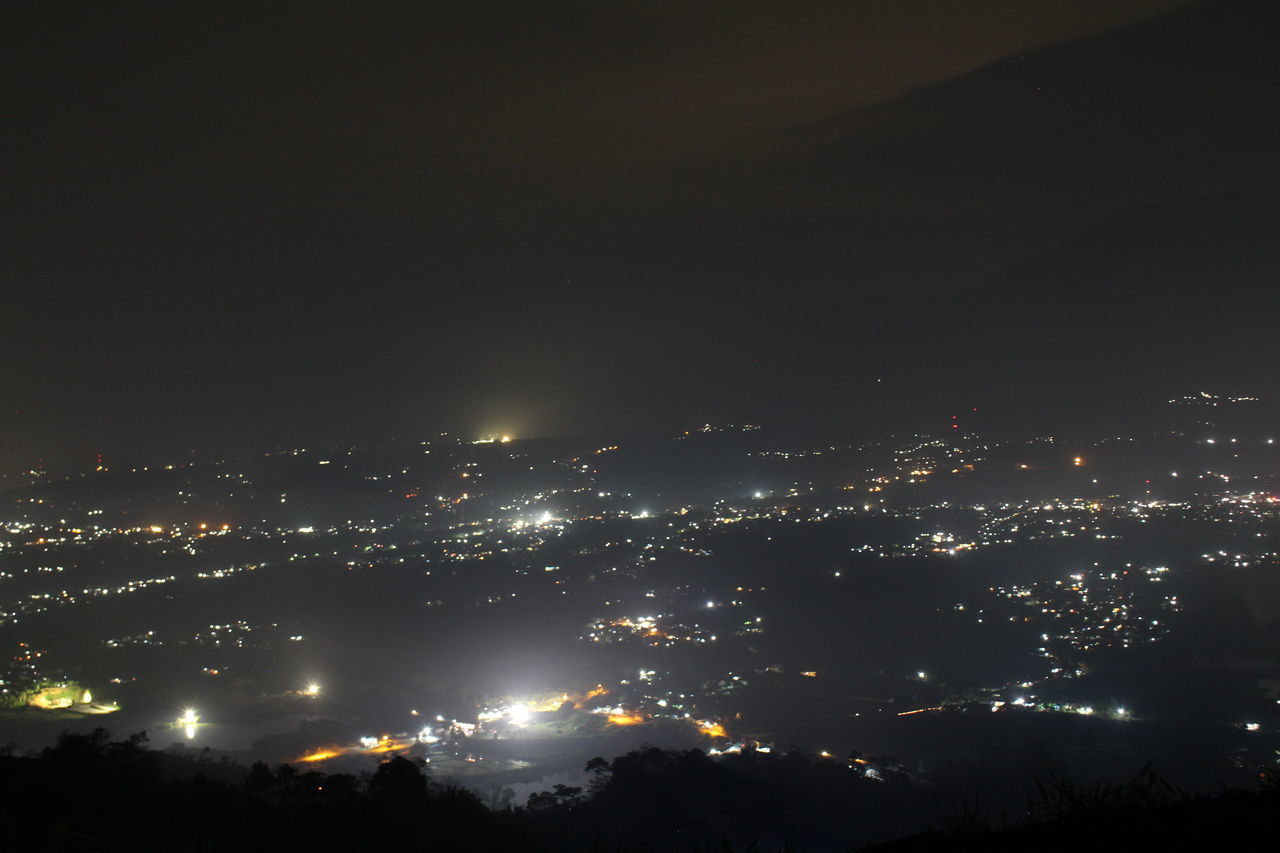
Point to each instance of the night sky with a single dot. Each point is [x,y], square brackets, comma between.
[234,227]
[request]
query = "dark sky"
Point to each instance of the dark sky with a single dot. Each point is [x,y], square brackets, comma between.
[239,226]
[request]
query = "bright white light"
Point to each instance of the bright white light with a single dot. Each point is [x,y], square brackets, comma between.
[189,717]
[518,714]
[545,518]
[189,731]
[313,689]
[368,742]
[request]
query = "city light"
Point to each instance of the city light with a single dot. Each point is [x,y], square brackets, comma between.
[188,721]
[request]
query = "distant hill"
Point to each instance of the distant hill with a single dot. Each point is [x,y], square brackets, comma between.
[1142,306]
[1194,250]
[1171,106]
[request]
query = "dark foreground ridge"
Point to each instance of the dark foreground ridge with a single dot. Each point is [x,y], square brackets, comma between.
[91,793]
[1145,814]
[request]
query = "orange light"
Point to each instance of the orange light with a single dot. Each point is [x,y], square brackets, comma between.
[320,755]
[625,719]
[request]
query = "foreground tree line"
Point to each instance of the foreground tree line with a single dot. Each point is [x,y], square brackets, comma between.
[91,793]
